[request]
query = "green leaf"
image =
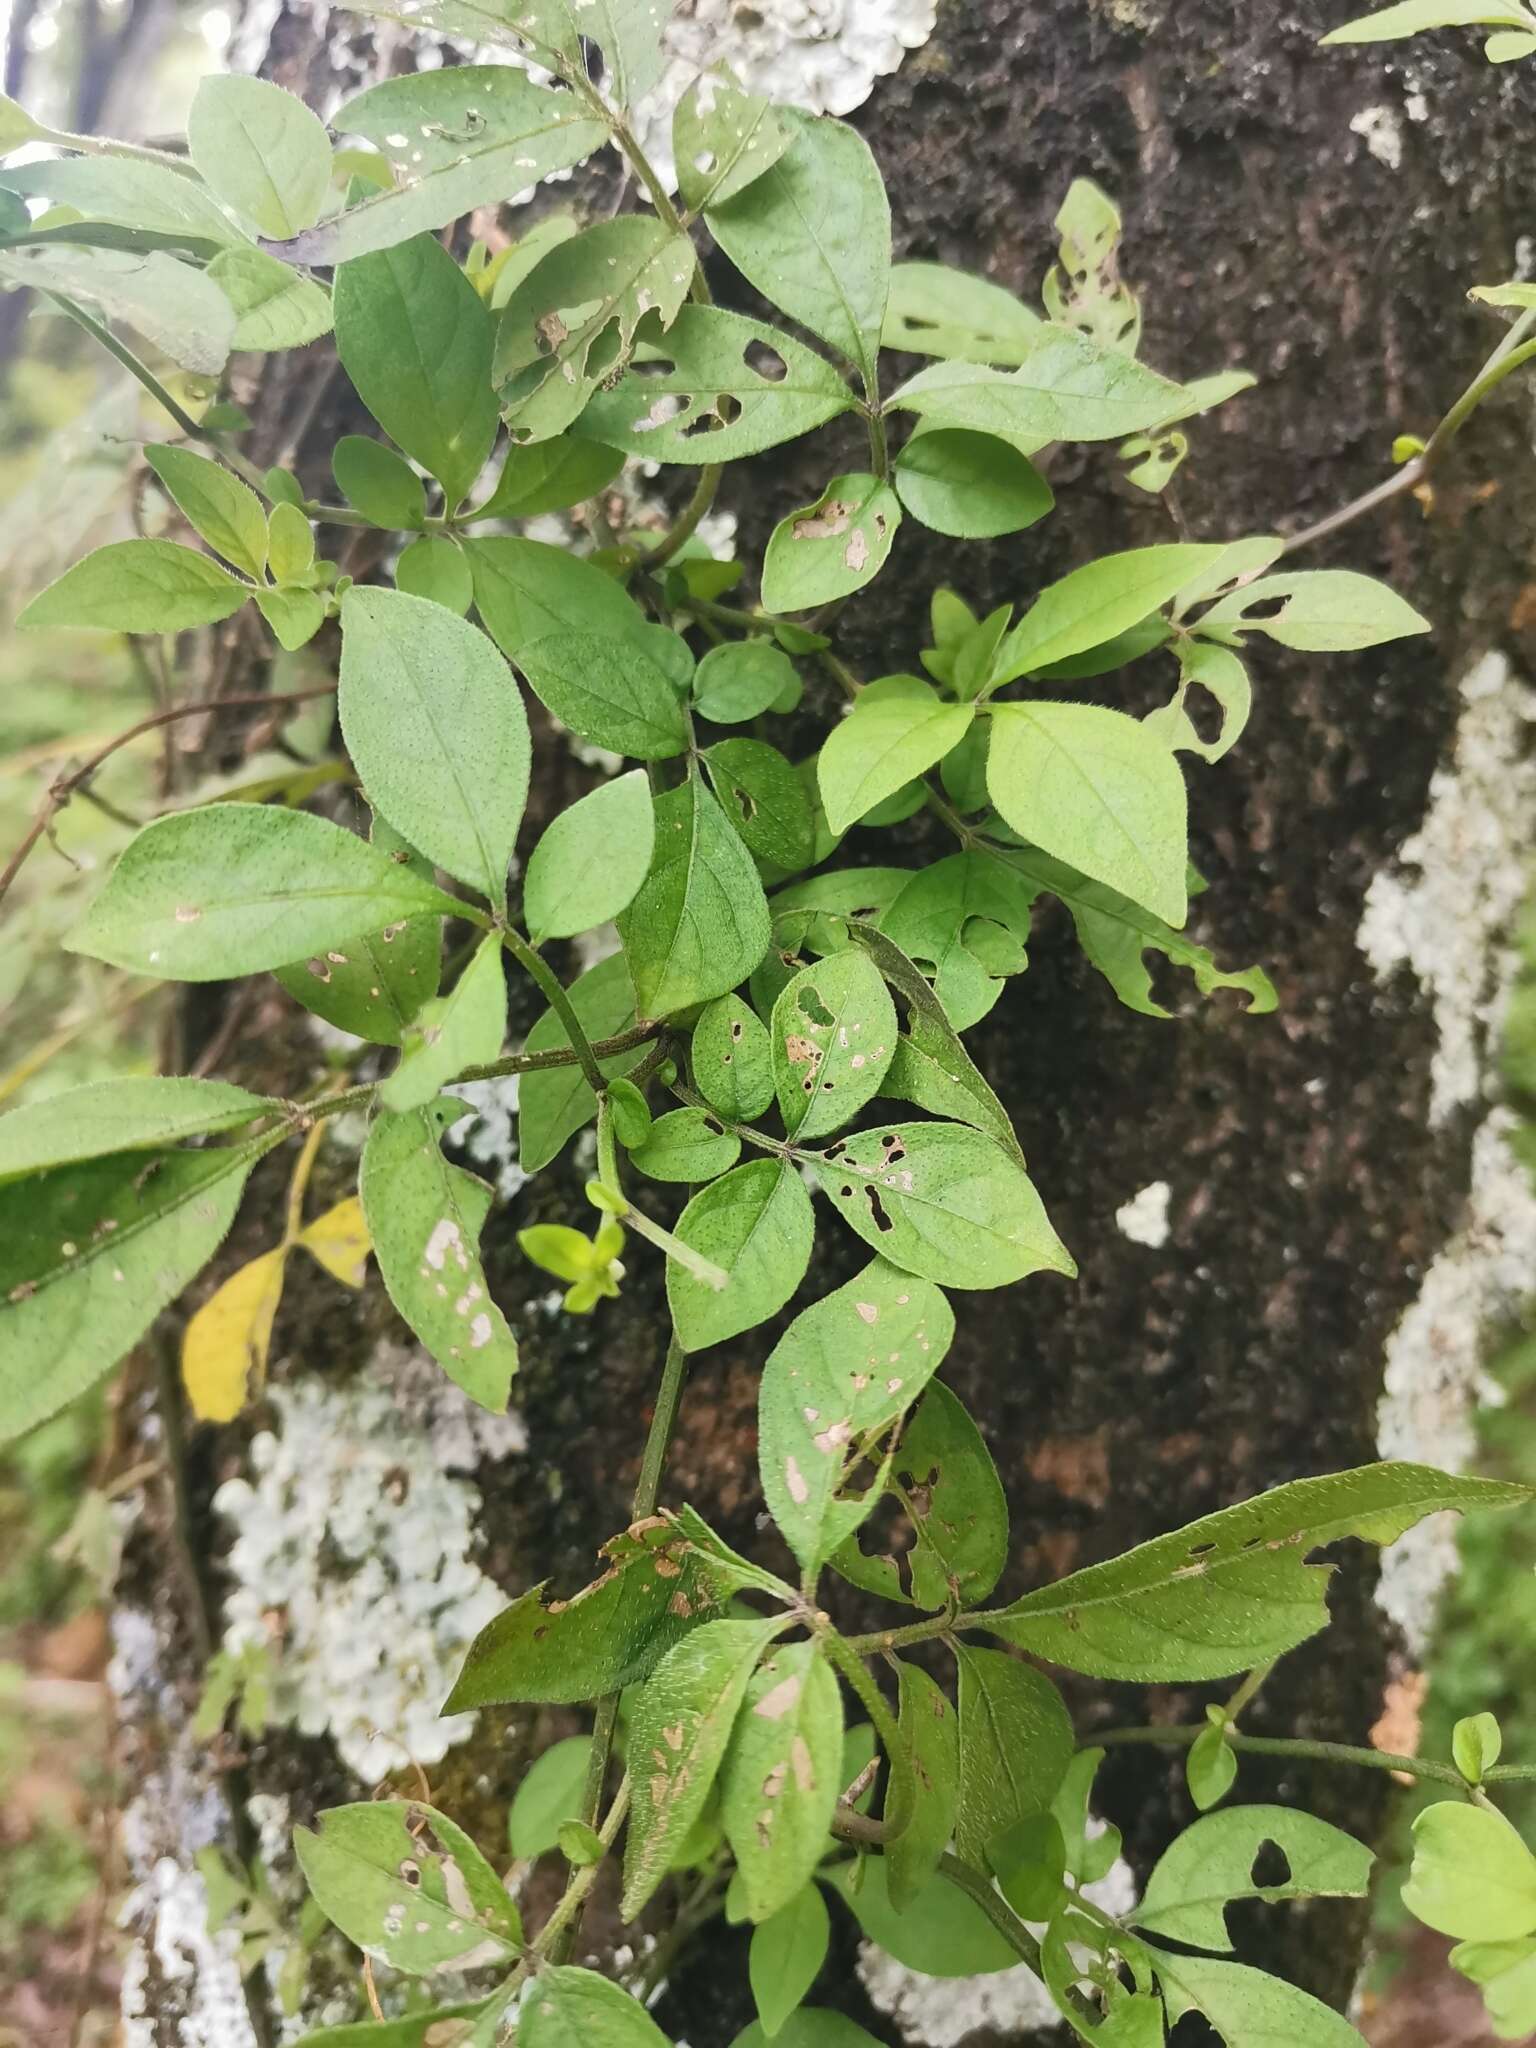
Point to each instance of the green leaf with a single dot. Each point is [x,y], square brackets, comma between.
[572,2008]
[290,543]
[678,1734]
[1212,1863]
[780,1780]
[786,1956]
[930,1732]
[722,139]
[1218,672]
[591,861]
[944,1478]
[738,680]
[449,1033]
[1511,294]
[230,889]
[224,511]
[570,323]
[435,569]
[555,1104]
[88,1258]
[548,477]
[378,483]
[833,1035]
[121,1116]
[1098,790]
[897,728]
[128,193]
[375,987]
[1066,388]
[262,151]
[1096,603]
[436,728]
[832,547]
[1030,1861]
[1210,1768]
[425,1217]
[612,692]
[1476,1741]
[685,1145]
[733,1060]
[813,233]
[1410,17]
[943,1201]
[969,485]
[756,1223]
[628,32]
[295,616]
[700,922]
[1233,1589]
[718,386]
[180,310]
[1324,611]
[764,798]
[1505,1972]
[1084,290]
[409,1887]
[550,1792]
[415,338]
[1016,1741]
[937,311]
[968,917]
[412,2030]
[656,1585]
[1248,2008]
[843,1371]
[465,136]
[940,1931]
[138,586]
[527,590]
[1102,1983]
[1472,1876]
[274,307]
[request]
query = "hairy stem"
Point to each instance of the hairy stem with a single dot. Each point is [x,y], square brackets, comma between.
[1311,1752]
[549,982]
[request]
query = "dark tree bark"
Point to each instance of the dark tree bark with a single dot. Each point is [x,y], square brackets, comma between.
[1316,217]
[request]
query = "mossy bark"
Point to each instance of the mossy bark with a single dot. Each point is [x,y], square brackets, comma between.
[1308,1188]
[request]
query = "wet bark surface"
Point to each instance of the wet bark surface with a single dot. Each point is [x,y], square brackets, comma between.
[1309,1193]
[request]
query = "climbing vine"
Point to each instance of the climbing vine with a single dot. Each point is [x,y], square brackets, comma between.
[776,1031]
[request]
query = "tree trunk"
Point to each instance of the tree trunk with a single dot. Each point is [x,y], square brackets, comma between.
[1291,1230]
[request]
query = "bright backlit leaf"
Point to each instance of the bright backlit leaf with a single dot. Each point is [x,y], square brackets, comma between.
[262,151]
[224,511]
[897,728]
[138,586]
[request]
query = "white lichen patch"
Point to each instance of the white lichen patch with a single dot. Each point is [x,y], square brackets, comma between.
[1144,1218]
[940,2012]
[1382,130]
[176,1949]
[353,1553]
[1449,919]
[1434,1373]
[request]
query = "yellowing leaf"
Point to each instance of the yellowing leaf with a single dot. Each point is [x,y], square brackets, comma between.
[339,1240]
[226,1341]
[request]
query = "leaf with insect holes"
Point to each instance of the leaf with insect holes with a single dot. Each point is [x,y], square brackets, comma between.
[462,1029]
[699,924]
[968,917]
[570,324]
[723,138]
[843,1371]
[425,1217]
[527,590]
[121,1116]
[1016,1741]
[897,728]
[780,1779]
[612,692]
[89,1258]
[224,1346]
[1248,2008]
[138,586]
[834,1034]
[554,1104]
[1084,289]
[573,2008]
[1098,790]
[935,310]
[831,548]
[686,1145]
[943,1201]
[465,136]
[1212,1864]
[274,307]
[944,1478]
[786,1955]
[415,339]
[1320,611]
[591,860]
[1233,1589]
[968,485]
[1065,388]
[733,1060]
[376,984]
[223,511]
[231,889]
[765,800]
[813,233]
[549,476]
[930,1732]
[718,386]
[1095,604]
[409,1887]
[435,726]
[1221,676]
[678,1734]
[755,1223]
[262,151]
[377,482]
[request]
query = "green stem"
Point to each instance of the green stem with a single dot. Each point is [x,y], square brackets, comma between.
[1310,1752]
[1249,1689]
[687,522]
[494,1070]
[702,1269]
[995,1906]
[554,1937]
[108,145]
[549,982]
[745,1132]
[879,444]
[899,1783]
